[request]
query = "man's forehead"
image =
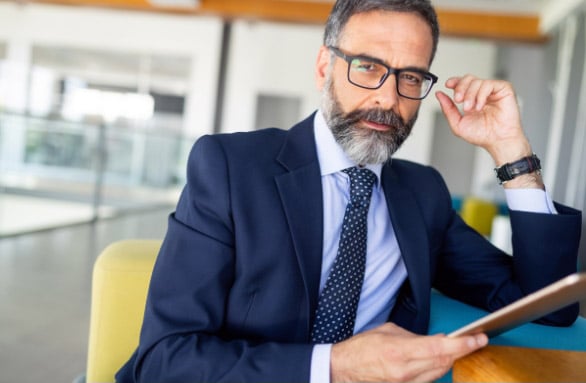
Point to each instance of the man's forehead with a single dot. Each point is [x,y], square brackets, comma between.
[379,19]
[379,31]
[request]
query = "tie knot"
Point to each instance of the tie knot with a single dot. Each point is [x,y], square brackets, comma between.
[361,182]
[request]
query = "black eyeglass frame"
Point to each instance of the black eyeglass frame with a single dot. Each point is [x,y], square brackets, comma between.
[390,71]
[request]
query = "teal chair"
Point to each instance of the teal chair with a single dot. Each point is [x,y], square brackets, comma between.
[120,281]
[448,315]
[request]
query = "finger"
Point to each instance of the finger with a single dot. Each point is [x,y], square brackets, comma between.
[431,375]
[426,376]
[439,355]
[449,109]
[452,82]
[440,349]
[461,88]
[425,361]
[485,91]
[442,367]
[465,345]
[471,94]
[424,369]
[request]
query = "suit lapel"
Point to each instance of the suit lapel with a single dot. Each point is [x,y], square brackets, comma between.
[301,195]
[411,234]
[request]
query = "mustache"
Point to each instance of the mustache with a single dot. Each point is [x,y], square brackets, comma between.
[377,115]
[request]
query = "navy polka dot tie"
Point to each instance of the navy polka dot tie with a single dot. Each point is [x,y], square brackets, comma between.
[336,310]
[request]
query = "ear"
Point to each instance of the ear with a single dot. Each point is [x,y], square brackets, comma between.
[321,67]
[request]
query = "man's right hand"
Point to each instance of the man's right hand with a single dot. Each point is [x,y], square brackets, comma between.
[389,353]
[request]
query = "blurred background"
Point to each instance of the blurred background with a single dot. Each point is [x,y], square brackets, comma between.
[100,102]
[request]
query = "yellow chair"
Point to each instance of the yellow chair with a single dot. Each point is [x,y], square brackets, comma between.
[479,214]
[120,282]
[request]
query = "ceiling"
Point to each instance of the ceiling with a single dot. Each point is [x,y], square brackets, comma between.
[521,20]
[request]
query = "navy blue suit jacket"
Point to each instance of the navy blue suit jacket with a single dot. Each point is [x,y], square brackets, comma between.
[235,286]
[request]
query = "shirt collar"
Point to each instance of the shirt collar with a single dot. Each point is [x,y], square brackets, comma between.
[331,156]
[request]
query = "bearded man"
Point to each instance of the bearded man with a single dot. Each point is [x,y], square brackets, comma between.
[309,254]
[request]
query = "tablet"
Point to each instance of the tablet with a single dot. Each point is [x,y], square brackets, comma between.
[551,298]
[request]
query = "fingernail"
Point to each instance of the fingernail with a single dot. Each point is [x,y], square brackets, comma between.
[477,341]
[481,340]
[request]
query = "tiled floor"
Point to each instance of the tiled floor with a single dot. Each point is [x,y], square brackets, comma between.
[25,213]
[45,282]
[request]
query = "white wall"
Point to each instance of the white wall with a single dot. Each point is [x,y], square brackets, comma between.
[269,58]
[280,59]
[22,26]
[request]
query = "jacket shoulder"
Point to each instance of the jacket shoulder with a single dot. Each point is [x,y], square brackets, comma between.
[412,171]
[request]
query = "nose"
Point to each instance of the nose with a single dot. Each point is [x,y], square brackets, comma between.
[386,97]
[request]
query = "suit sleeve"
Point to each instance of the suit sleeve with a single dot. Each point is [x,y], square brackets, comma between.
[545,249]
[184,337]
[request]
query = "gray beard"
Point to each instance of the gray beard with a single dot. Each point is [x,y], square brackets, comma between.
[363,145]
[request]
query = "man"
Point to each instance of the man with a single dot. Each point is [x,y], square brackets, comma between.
[240,285]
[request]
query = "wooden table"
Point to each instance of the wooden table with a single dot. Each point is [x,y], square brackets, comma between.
[520,364]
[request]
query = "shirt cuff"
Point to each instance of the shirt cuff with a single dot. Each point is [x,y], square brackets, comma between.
[320,364]
[530,200]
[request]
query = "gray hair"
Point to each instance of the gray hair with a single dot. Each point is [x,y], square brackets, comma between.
[344,9]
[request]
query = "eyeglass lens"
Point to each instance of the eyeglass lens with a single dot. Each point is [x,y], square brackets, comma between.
[369,74]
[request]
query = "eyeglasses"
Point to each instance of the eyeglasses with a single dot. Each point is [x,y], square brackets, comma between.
[371,73]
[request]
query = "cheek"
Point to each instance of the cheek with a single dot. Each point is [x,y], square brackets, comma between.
[353,98]
[408,109]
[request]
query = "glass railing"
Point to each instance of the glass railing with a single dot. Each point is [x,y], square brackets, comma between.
[55,172]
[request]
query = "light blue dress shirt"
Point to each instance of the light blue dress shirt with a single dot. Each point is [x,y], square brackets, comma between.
[385,270]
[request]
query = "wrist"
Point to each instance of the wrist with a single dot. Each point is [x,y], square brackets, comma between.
[340,370]
[510,151]
[524,172]
[336,375]
[526,181]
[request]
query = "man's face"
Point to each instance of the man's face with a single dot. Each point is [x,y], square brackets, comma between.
[371,124]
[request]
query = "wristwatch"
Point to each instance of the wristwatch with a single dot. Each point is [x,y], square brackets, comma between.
[511,170]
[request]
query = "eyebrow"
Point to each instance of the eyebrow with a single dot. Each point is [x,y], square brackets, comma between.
[379,61]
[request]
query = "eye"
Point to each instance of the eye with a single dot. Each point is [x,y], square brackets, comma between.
[364,66]
[411,78]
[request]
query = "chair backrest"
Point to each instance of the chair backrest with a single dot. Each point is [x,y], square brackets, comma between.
[479,214]
[120,282]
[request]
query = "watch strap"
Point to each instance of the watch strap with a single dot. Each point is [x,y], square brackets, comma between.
[512,170]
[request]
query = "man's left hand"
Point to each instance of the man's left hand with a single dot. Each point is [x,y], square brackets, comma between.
[489,117]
